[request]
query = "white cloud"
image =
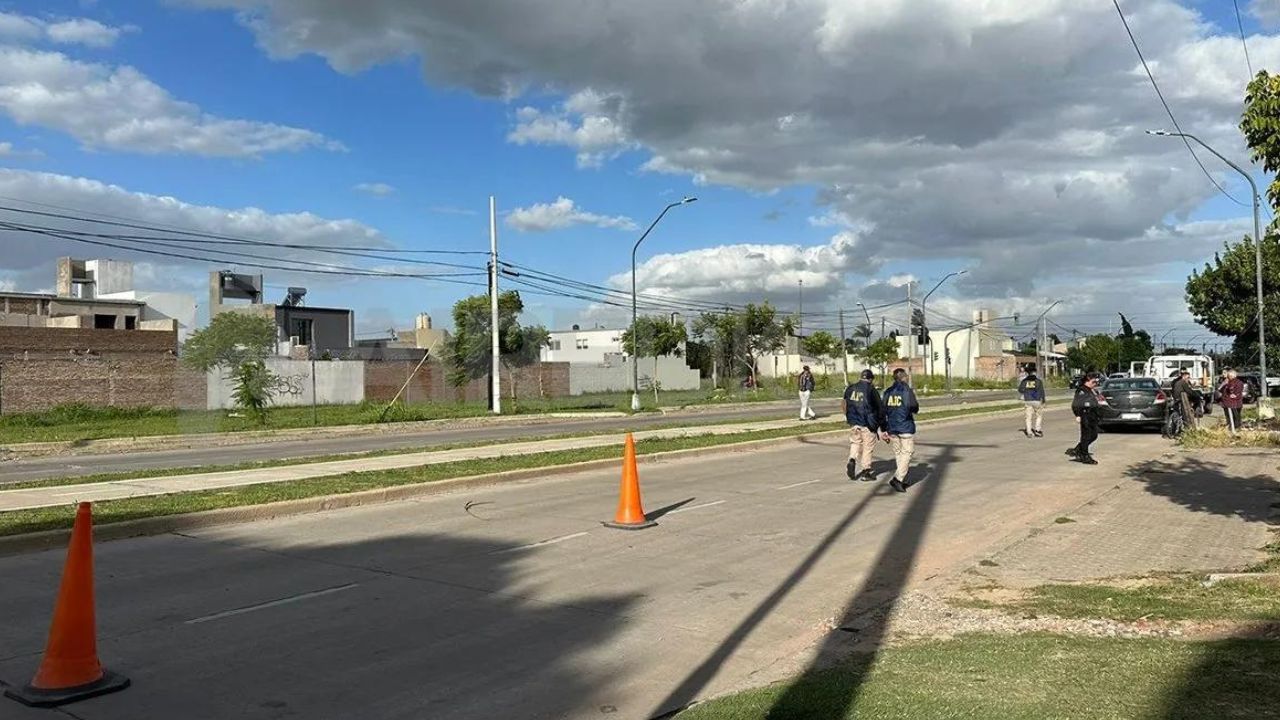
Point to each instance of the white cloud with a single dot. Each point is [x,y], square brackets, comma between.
[382,189]
[119,108]
[1002,134]
[32,256]
[561,214]
[1266,11]
[73,31]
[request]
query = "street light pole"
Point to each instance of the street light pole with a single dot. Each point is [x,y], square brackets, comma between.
[924,317]
[1163,346]
[1264,401]
[1040,369]
[635,341]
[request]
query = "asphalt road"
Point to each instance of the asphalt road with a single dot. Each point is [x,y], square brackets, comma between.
[514,602]
[185,457]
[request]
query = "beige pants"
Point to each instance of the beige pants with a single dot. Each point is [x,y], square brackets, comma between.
[904,448]
[1033,412]
[862,445]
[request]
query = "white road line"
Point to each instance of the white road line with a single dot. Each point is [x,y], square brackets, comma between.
[542,543]
[796,485]
[696,507]
[271,604]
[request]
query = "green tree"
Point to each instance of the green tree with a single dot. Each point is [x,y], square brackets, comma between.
[470,348]
[1100,353]
[230,340]
[824,346]
[253,388]
[1223,295]
[655,337]
[1260,124]
[522,347]
[763,332]
[880,353]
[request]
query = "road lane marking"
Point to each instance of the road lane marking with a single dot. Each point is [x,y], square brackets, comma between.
[271,604]
[695,507]
[541,543]
[796,485]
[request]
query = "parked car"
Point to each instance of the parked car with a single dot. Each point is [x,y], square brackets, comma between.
[1076,380]
[1134,402]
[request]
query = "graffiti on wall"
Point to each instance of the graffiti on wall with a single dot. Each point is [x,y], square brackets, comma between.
[291,385]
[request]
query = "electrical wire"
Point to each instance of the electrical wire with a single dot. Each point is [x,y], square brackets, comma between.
[1167,109]
[1240,24]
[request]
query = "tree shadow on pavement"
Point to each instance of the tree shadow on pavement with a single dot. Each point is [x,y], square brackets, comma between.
[1205,486]
[267,626]
[866,614]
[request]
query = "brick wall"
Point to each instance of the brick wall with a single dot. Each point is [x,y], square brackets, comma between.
[383,379]
[103,342]
[34,385]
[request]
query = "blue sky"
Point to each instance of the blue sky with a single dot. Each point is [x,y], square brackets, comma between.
[445,143]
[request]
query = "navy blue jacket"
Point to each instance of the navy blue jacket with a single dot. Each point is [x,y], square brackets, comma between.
[863,406]
[1032,389]
[900,408]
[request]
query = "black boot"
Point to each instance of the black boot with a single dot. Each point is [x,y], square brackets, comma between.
[851,469]
[1073,452]
[1088,460]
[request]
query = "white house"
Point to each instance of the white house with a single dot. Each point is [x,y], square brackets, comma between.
[583,346]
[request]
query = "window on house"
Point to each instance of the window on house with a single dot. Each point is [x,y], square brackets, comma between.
[555,345]
[130,322]
[582,344]
[301,329]
[104,322]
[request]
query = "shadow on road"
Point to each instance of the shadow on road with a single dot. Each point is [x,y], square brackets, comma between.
[1205,486]
[655,514]
[865,615]
[416,626]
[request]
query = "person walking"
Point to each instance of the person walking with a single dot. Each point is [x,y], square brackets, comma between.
[1085,407]
[1231,397]
[900,408]
[1032,391]
[806,393]
[864,411]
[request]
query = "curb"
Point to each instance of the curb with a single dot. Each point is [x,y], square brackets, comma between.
[52,539]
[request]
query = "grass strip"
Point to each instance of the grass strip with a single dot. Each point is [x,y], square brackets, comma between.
[1026,677]
[113,511]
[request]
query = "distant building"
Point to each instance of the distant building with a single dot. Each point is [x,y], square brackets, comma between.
[597,345]
[300,329]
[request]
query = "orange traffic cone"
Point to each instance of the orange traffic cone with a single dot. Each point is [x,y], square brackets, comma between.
[630,515]
[70,670]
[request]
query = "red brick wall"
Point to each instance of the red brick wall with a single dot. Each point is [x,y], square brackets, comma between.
[34,385]
[383,379]
[103,342]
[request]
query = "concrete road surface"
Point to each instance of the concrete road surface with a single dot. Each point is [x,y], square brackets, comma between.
[179,457]
[514,602]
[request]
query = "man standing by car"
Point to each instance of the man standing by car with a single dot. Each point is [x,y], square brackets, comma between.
[900,408]
[1085,407]
[1187,399]
[864,412]
[806,392]
[1231,397]
[1032,391]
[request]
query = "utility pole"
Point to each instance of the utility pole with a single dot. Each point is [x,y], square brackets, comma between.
[911,335]
[800,330]
[844,350]
[496,366]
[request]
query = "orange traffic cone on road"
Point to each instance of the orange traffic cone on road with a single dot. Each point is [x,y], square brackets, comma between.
[630,515]
[70,670]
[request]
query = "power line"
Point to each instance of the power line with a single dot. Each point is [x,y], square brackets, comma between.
[1240,24]
[227,238]
[1167,109]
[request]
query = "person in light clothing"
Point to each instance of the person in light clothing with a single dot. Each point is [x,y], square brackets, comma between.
[806,393]
[900,408]
[1032,390]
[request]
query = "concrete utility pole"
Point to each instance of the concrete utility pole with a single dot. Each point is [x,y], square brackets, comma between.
[635,341]
[1042,329]
[844,350]
[925,318]
[495,370]
[1264,402]
[911,335]
[800,330]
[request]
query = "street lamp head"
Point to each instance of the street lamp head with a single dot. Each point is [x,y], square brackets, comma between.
[688,200]
[1163,133]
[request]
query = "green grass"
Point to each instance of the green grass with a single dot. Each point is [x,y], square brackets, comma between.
[1028,677]
[1220,437]
[1169,597]
[113,511]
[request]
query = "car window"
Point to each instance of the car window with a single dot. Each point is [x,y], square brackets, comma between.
[1140,384]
